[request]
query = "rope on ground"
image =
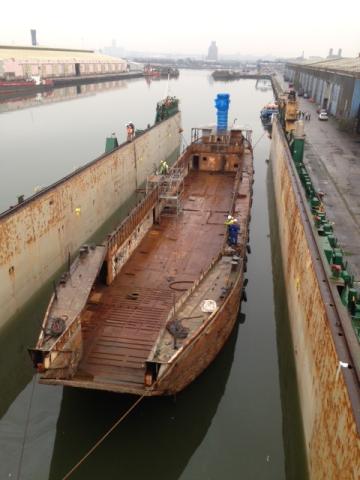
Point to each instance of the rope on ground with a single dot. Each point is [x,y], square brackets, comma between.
[171,285]
[26,428]
[103,438]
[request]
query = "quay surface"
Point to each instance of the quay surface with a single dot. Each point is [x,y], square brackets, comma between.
[333,160]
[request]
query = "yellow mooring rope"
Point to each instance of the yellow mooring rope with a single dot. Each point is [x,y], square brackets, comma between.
[27,422]
[103,438]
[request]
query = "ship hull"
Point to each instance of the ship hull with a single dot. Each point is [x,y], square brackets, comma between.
[8,88]
[153,305]
[190,364]
[204,349]
[46,225]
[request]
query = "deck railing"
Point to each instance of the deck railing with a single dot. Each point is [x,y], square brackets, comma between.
[137,215]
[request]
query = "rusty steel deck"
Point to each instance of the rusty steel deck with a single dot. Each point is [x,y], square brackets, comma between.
[122,321]
[72,292]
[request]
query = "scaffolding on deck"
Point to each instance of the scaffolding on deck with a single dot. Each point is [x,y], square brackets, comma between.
[171,188]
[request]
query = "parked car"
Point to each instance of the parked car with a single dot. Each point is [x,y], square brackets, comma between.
[306,95]
[323,116]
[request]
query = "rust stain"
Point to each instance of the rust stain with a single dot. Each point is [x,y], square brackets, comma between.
[330,430]
[110,180]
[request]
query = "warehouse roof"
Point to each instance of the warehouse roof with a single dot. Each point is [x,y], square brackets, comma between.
[39,54]
[349,66]
[304,61]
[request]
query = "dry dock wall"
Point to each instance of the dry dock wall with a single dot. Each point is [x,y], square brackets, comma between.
[332,441]
[37,235]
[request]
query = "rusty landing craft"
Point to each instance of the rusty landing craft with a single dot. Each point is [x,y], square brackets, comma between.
[149,309]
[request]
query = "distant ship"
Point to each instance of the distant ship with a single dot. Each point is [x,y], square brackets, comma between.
[31,83]
[268,111]
[156,71]
[226,75]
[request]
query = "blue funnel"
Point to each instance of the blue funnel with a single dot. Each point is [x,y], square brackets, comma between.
[222,102]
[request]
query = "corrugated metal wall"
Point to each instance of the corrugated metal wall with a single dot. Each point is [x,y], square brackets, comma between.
[339,93]
[355,100]
[319,91]
[312,86]
[334,99]
[345,96]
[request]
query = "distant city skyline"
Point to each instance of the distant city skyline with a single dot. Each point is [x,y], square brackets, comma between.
[275,28]
[213,53]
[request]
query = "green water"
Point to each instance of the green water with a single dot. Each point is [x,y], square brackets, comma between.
[240,419]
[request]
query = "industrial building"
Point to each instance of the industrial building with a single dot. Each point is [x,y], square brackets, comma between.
[334,84]
[24,62]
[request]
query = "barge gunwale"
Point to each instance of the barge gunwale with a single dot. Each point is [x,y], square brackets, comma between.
[222,320]
[44,191]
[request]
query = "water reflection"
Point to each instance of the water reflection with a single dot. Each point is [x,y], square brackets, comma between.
[35,413]
[21,100]
[16,336]
[227,423]
[164,431]
[264,85]
[295,455]
[267,126]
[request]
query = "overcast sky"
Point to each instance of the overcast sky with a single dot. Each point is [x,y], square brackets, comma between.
[277,27]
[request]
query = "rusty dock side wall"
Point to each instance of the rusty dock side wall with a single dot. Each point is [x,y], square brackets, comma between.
[37,236]
[328,396]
